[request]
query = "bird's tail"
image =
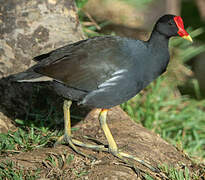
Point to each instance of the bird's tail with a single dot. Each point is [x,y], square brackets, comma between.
[29,76]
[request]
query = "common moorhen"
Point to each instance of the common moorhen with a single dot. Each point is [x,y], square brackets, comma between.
[105,71]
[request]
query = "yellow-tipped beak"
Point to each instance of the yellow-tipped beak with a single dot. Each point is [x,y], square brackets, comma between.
[187,38]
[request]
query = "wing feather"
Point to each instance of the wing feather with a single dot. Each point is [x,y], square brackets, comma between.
[88,65]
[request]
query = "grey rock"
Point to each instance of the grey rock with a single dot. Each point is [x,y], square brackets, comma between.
[28,29]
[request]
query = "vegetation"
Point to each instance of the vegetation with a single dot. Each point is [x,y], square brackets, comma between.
[180,119]
[177,118]
[9,170]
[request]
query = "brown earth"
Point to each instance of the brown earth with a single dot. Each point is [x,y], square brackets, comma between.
[130,137]
[29,28]
[131,14]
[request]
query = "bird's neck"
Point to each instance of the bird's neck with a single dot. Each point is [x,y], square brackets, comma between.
[158,41]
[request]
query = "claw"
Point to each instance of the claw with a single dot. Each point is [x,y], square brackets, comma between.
[112,146]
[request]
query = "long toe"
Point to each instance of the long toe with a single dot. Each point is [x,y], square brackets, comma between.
[59,140]
[126,162]
[72,142]
[144,163]
[95,140]
[90,146]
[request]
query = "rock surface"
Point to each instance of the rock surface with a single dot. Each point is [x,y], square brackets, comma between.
[130,137]
[27,29]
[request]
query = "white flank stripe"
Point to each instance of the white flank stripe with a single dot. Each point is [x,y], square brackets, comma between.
[106,84]
[112,81]
[119,72]
[40,79]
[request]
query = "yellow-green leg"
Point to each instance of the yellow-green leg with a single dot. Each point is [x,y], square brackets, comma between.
[67,133]
[113,149]
[67,130]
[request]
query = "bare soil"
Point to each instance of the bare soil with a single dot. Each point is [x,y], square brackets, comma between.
[131,138]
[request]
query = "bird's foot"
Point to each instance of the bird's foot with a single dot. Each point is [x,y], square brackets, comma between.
[125,161]
[122,155]
[95,141]
[90,146]
[72,143]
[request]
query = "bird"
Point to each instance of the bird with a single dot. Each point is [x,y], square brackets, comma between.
[103,72]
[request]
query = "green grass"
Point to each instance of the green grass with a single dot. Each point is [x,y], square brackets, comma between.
[89,30]
[138,3]
[59,165]
[24,140]
[80,3]
[178,119]
[58,160]
[177,174]
[10,170]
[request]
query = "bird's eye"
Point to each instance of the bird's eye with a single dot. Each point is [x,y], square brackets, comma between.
[171,23]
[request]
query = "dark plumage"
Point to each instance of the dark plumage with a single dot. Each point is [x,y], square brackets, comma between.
[103,72]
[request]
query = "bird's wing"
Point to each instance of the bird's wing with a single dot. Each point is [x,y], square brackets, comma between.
[87,65]
[59,53]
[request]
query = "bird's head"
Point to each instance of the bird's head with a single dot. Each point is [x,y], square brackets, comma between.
[171,25]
